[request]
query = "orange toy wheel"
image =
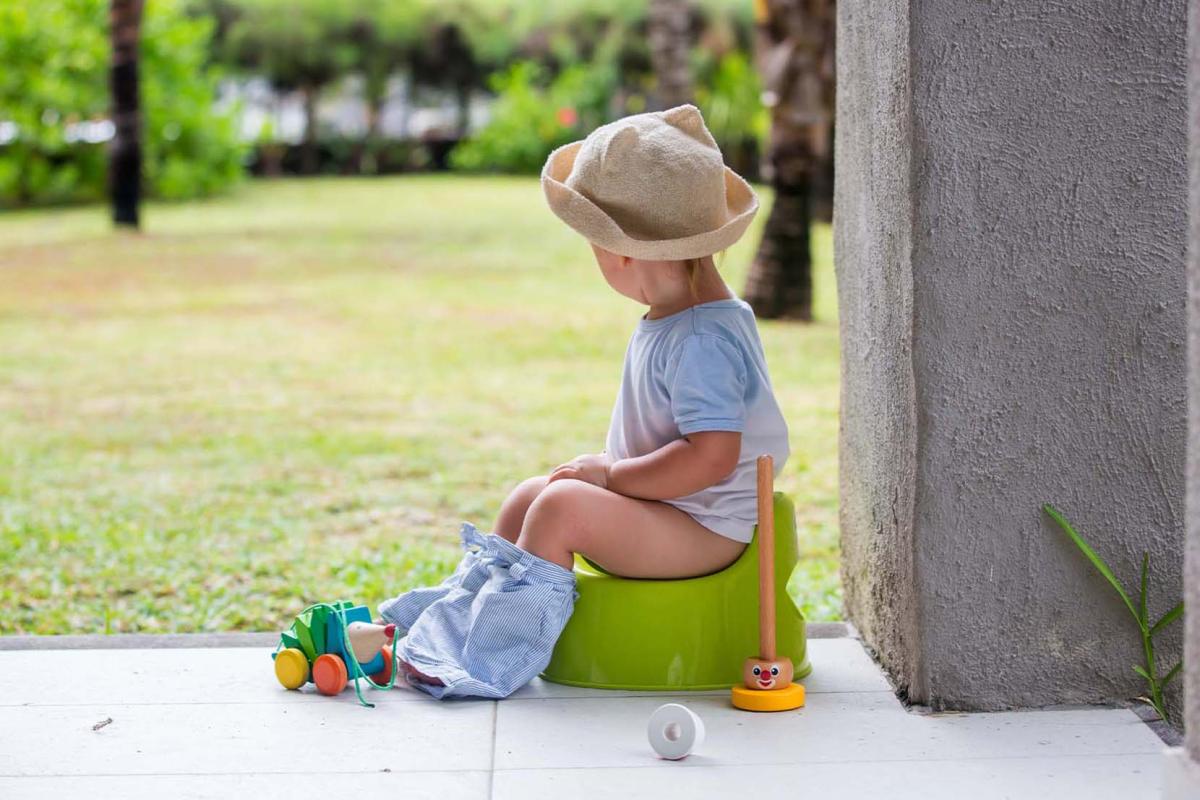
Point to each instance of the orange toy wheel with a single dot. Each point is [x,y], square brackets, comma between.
[329,674]
[384,675]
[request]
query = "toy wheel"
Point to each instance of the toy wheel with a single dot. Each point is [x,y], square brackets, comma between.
[329,674]
[384,675]
[291,668]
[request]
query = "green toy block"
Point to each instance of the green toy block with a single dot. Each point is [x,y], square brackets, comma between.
[316,627]
[307,631]
[302,632]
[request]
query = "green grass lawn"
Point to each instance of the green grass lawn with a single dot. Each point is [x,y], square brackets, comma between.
[297,392]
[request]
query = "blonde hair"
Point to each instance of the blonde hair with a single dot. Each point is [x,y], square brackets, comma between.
[693,270]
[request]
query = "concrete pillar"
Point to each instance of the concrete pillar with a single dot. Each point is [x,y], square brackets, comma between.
[1182,779]
[1010,238]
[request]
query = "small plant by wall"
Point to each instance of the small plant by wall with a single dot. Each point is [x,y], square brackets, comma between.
[1140,612]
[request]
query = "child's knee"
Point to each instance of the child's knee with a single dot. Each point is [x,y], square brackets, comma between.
[527,490]
[555,514]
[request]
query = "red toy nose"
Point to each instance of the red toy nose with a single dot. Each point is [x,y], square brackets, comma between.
[389,630]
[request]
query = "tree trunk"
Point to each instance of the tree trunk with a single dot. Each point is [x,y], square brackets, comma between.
[409,87]
[795,55]
[780,282]
[367,158]
[463,95]
[309,157]
[669,32]
[125,151]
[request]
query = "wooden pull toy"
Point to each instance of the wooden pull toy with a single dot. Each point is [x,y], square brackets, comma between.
[367,639]
[767,679]
[330,644]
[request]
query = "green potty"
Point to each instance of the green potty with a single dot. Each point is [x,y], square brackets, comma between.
[686,634]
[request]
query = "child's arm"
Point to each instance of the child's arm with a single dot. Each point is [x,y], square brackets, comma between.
[680,468]
[684,466]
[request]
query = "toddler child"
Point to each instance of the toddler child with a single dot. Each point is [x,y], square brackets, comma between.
[673,493]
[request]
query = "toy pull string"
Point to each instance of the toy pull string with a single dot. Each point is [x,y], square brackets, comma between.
[356,669]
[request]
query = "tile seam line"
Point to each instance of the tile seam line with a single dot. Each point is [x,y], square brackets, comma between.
[491,772]
[758,765]
[393,702]
[397,772]
[662,765]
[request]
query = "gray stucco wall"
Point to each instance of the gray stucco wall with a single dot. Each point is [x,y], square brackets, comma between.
[1028,220]
[873,227]
[1192,588]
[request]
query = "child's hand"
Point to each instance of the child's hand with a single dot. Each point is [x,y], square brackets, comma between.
[590,468]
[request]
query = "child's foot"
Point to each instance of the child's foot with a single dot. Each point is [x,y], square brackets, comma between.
[413,674]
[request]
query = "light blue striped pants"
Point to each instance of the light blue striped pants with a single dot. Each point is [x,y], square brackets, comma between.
[489,628]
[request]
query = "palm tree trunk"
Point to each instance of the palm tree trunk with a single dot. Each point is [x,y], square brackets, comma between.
[462,94]
[309,158]
[669,31]
[125,153]
[780,282]
[795,54]
[368,157]
[406,105]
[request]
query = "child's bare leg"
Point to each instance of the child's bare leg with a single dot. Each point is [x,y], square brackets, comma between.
[627,536]
[512,512]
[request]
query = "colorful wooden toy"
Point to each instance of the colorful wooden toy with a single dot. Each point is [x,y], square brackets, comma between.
[331,644]
[767,679]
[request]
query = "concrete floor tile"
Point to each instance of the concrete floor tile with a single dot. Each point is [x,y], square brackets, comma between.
[842,665]
[407,785]
[1134,777]
[221,675]
[612,732]
[245,738]
[869,726]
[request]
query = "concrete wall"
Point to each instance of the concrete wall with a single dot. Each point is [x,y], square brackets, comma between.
[1009,240]
[873,243]
[1181,767]
[1192,589]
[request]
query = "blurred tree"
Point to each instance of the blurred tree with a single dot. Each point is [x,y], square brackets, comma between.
[795,55]
[125,159]
[533,115]
[730,97]
[55,103]
[297,46]
[670,34]
[384,38]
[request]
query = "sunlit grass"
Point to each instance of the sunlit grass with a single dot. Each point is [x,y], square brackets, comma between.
[297,392]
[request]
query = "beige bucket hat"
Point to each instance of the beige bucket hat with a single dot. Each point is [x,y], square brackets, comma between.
[650,186]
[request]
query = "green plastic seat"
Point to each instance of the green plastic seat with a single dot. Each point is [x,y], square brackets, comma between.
[688,634]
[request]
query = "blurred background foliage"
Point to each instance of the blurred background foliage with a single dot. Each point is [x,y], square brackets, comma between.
[515,78]
[54,101]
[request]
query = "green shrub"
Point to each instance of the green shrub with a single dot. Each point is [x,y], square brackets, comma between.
[56,58]
[731,101]
[530,119]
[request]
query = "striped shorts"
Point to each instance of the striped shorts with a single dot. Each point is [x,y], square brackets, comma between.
[491,627]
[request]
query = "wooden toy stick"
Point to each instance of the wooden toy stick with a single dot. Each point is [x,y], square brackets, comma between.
[766,558]
[767,680]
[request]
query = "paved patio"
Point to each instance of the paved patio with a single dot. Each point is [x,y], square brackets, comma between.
[212,722]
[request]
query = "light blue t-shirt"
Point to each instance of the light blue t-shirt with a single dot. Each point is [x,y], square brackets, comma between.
[702,369]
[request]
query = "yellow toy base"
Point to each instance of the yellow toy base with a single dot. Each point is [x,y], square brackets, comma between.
[785,699]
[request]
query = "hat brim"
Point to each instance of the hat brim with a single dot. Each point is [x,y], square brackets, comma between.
[591,222]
